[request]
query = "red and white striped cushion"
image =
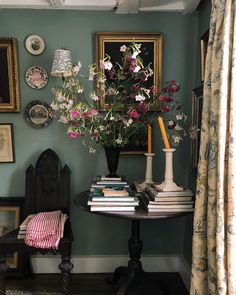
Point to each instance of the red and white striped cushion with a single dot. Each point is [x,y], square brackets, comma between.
[44,230]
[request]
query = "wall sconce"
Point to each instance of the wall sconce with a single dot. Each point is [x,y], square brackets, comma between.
[61,62]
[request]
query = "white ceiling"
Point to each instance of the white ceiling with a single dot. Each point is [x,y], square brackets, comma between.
[118,6]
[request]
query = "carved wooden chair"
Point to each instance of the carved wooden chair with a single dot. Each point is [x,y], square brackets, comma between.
[47,189]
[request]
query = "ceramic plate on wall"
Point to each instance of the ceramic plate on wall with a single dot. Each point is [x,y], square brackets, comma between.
[38,114]
[34,44]
[36,77]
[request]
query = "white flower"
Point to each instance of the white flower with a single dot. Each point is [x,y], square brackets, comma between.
[178,128]
[130,121]
[108,65]
[91,72]
[140,97]
[137,69]
[94,96]
[80,90]
[54,106]
[134,55]
[62,106]
[69,104]
[119,140]
[63,120]
[179,116]
[123,48]
[59,96]
[176,139]
[92,150]
[171,123]
[77,68]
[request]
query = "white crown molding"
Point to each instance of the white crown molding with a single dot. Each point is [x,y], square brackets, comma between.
[119,6]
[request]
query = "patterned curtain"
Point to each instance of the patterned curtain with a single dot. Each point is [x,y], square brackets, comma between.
[214,237]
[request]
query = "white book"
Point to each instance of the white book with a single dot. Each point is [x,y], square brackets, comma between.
[169,210]
[111,199]
[135,202]
[168,206]
[154,189]
[112,208]
[104,178]
[169,202]
[26,221]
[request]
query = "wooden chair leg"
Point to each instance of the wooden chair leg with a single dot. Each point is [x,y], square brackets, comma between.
[66,266]
[3,270]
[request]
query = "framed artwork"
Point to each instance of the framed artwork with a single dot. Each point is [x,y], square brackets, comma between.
[203,52]
[197,102]
[6,143]
[138,143]
[9,76]
[151,52]
[11,211]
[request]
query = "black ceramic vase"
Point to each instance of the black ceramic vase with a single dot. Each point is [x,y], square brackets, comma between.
[112,155]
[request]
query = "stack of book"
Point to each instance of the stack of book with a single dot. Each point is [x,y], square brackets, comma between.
[172,202]
[23,227]
[109,194]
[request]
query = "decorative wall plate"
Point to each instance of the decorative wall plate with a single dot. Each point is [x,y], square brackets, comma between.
[36,77]
[38,114]
[34,44]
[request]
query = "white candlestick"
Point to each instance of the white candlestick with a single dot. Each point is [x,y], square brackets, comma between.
[141,186]
[148,178]
[168,184]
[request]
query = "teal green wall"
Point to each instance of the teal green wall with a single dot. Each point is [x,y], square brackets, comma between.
[202,27]
[76,31]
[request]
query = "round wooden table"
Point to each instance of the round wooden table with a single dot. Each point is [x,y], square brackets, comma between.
[126,274]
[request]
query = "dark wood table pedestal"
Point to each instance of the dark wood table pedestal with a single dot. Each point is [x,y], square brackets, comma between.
[125,276]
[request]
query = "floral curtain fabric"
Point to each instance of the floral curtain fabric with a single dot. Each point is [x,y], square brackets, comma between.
[214,237]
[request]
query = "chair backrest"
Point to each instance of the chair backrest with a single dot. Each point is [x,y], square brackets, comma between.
[47,185]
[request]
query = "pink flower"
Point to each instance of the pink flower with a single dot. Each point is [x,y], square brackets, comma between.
[133,114]
[143,107]
[85,115]
[172,86]
[129,57]
[73,134]
[134,87]
[74,113]
[165,109]
[165,98]
[93,112]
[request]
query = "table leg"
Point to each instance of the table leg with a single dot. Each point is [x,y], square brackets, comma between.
[134,269]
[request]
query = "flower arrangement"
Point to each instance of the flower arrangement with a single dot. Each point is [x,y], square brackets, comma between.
[124,85]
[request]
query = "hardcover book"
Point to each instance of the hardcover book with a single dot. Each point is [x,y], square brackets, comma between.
[112,208]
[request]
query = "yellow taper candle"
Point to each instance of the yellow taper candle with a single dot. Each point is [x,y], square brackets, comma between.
[149,139]
[163,133]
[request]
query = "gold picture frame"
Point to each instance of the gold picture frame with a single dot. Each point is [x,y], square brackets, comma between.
[6,143]
[9,76]
[9,220]
[197,103]
[109,43]
[11,215]
[203,52]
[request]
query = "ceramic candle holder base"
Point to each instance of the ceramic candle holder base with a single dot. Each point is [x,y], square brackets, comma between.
[141,186]
[168,185]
